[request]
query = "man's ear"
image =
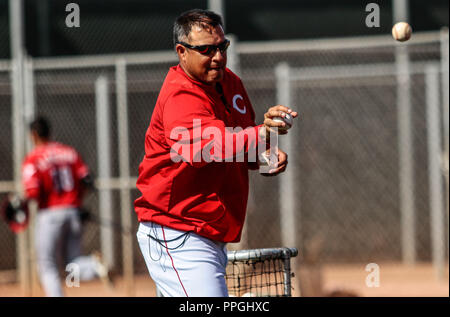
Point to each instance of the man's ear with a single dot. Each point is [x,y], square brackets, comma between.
[181,51]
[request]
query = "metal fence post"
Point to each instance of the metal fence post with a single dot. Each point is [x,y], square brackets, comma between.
[288,188]
[218,7]
[32,256]
[233,55]
[400,12]
[445,85]
[104,168]
[124,171]
[17,72]
[29,98]
[287,273]
[29,114]
[445,115]
[434,155]
[406,156]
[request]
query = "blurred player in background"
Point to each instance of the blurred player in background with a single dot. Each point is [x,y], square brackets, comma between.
[192,206]
[55,176]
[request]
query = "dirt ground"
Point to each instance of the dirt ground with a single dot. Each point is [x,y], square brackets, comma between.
[395,280]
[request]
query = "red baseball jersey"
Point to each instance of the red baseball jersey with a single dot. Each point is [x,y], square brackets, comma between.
[51,174]
[188,178]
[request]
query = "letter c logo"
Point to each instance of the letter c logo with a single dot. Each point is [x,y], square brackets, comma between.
[235,106]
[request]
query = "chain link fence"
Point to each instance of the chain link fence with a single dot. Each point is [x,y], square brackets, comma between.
[8,259]
[344,160]
[345,151]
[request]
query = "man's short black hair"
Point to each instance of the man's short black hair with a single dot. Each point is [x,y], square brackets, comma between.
[183,24]
[41,126]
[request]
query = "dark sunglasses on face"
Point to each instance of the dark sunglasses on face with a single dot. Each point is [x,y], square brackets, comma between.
[208,49]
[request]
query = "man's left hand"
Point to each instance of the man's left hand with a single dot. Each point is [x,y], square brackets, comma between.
[281,166]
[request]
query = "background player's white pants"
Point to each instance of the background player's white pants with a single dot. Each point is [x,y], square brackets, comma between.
[183,264]
[58,241]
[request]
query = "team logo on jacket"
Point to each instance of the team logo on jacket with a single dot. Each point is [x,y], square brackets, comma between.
[235,106]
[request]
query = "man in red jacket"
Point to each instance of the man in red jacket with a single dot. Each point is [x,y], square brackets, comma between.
[200,144]
[55,176]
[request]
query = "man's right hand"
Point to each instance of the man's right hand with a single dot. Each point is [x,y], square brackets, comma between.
[277,111]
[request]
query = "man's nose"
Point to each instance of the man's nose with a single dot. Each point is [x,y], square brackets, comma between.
[218,55]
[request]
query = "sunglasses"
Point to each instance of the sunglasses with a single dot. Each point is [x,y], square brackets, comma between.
[208,49]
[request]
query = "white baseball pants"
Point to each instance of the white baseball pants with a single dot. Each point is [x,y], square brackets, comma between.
[58,239]
[183,264]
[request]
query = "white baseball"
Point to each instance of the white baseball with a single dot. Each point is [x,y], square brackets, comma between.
[287,119]
[401,31]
